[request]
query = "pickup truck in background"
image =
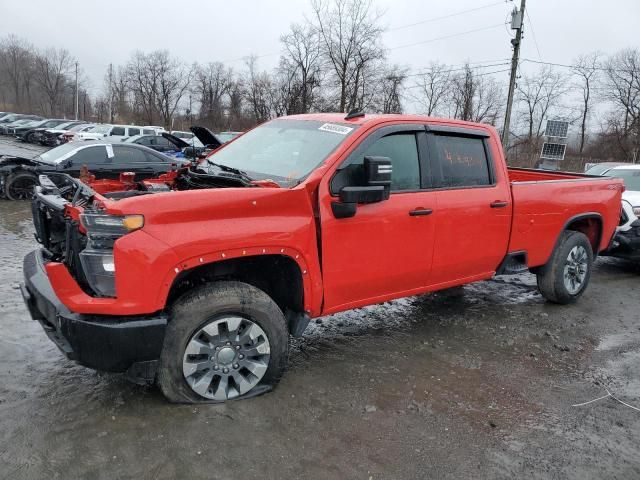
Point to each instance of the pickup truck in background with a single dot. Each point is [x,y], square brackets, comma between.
[199,284]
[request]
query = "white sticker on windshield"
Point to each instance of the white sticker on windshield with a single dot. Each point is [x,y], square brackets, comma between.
[333,128]
[109,150]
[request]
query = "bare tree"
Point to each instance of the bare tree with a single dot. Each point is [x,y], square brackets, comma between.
[350,35]
[539,94]
[389,88]
[158,83]
[622,89]
[16,63]
[52,66]
[586,69]
[433,88]
[300,67]
[475,97]
[212,83]
[258,92]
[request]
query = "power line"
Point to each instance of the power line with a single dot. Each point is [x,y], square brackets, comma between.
[434,19]
[460,69]
[533,34]
[475,75]
[465,63]
[446,37]
[564,65]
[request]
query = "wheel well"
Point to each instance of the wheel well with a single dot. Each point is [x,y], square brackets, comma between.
[277,275]
[591,227]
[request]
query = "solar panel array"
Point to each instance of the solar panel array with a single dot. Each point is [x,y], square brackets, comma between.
[556,128]
[553,151]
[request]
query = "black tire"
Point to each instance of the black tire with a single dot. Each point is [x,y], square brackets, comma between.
[29,138]
[19,186]
[551,278]
[204,304]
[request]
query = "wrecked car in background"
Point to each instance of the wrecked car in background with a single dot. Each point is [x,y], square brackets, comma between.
[18,175]
[30,133]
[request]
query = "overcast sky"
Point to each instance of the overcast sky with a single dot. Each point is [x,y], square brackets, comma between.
[98,33]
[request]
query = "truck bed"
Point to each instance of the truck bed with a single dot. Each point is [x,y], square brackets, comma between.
[544,203]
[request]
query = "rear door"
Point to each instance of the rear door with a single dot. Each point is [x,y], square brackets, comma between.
[474,204]
[129,158]
[386,249]
[94,157]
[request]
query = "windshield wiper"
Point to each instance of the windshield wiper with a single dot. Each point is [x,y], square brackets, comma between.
[235,171]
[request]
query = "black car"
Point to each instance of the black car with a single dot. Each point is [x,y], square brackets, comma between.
[165,143]
[18,175]
[28,134]
[50,137]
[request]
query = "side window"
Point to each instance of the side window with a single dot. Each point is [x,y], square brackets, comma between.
[127,155]
[117,131]
[163,142]
[402,149]
[150,157]
[90,156]
[460,161]
[146,131]
[133,131]
[143,141]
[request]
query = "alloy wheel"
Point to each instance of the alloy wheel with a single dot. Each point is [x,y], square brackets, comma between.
[226,358]
[575,269]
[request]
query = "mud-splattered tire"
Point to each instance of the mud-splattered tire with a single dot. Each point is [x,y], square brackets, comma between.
[224,340]
[20,185]
[566,276]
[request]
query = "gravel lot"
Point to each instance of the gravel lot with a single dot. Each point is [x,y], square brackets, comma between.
[476,382]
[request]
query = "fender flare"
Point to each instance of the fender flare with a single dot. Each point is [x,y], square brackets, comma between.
[581,216]
[311,277]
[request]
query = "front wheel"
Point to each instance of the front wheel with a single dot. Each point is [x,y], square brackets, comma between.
[566,276]
[19,186]
[224,340]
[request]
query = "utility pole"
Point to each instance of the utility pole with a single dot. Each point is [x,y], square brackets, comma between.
[76,90]
[110,93]
[517,22]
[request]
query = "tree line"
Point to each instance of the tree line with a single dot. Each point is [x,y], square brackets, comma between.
[335,60]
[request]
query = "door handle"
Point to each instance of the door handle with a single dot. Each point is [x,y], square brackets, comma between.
[420,212]
[498,204]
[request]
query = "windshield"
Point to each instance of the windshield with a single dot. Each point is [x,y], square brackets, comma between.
[630,176]
[56,155]
[285,149]
[599,169]
[101,129]
[77,128]
[224,137]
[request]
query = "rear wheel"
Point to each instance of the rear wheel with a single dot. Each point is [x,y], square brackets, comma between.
[30,138]
[224,340]
[19,186]
[566,276]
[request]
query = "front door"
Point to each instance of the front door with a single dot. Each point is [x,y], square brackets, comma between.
[385,250]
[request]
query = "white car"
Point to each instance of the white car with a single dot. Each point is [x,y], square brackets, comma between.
[117,132]
[626,241]
[630,174]
[157,129]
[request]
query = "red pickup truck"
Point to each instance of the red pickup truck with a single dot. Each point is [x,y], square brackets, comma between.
[198,282]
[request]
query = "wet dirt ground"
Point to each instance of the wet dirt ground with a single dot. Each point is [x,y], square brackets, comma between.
[476,382]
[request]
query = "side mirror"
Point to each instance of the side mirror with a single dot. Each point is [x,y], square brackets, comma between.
[377,176]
